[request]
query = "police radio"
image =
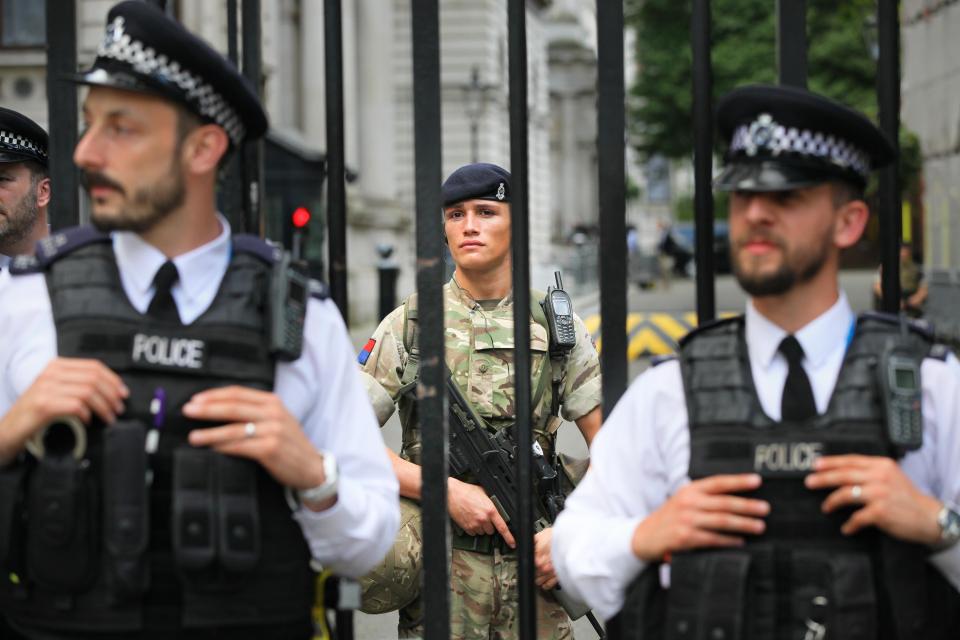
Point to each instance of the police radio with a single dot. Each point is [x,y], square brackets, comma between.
[899,373]
[559,311]
[289,293]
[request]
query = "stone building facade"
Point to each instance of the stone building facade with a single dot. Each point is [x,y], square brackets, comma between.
[931,108]
[378,105]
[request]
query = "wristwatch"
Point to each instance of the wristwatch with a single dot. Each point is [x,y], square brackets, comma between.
[328,488]
[949,521]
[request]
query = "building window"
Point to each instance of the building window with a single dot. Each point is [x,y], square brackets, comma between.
[22,24]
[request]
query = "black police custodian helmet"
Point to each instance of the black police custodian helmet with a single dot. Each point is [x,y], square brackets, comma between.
[21,139]
[477,181]
[786,138]
[147,51]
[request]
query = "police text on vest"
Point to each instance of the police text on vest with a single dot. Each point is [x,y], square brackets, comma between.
[168,352]
[786,456]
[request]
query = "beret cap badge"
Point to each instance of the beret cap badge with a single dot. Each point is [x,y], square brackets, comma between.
[501,192]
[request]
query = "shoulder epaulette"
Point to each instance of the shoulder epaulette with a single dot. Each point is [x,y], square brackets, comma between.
[658,360]
[939,351]
[713,325]
[920,326]
[267,251]
[56,246]
[319,290]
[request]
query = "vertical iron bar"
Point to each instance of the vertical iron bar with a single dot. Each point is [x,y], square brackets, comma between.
[253,150]
[61,26]
[611,149]
[233,50]
[703,159]
[888,97]
[431,398]
[520,235]
[792,42]
[231,195]
[336,182]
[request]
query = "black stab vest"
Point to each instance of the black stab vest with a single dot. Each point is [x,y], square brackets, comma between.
[801,572]
[214,543]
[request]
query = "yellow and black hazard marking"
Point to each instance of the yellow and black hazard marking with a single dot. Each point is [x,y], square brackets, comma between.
[651,334]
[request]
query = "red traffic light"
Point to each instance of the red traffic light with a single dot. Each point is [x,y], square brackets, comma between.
[301,217]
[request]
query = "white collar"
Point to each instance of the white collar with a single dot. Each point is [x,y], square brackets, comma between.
[819,337]
[139,261]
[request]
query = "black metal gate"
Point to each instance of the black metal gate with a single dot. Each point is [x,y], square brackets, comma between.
[247,181]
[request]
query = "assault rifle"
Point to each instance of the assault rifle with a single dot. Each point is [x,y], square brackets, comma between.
[490,458]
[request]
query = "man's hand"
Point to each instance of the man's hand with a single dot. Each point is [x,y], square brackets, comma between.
[66,387]
[277,441]
[475,512]
[546,577]
[701,514]
[886,497]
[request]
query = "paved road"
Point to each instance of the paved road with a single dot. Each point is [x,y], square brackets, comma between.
[679,299]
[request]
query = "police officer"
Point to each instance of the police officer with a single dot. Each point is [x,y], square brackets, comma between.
[24,184]
[479,312]
[778,475]
[184,435]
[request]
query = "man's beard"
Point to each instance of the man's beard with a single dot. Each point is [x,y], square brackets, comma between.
[19,221]
[797,267]
[148,205]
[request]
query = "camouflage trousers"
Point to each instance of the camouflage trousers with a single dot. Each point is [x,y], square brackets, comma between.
[483,602]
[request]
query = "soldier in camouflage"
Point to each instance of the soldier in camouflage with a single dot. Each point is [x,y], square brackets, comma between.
[479,346]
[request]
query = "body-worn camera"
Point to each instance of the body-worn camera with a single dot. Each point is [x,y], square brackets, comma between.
[289,293]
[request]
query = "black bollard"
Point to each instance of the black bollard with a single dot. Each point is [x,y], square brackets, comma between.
[388,270]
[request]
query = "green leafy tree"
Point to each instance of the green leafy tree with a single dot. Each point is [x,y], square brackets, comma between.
[840,65]
[743,51]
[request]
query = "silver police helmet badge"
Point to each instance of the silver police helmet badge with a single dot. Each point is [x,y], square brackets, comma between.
[760,135]
[501,191]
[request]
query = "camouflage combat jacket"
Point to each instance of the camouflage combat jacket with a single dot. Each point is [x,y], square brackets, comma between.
[479,348]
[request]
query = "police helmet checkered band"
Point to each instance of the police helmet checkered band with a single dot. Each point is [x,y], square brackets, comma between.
[118,45]
[15,142]
[785,138]
[21,139]
[145,50]
[765,133]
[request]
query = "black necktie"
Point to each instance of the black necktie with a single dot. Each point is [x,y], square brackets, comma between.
[797,403]
[162,307]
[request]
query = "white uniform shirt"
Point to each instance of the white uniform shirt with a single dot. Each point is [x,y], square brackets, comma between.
[321,389]
[642,454]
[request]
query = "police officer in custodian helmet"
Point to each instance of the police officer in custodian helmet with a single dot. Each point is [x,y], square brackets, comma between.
[184,435]
[795,471]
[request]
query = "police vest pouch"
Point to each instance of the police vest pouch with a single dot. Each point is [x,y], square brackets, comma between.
[194,511]
[126,512]
[239,518]
[707,596]
[62,533]
[833,594]
[11,503]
